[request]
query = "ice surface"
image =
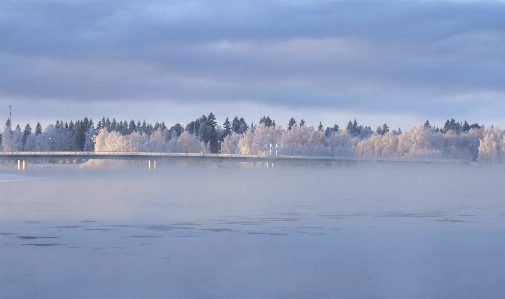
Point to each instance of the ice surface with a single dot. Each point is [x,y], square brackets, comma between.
[347,231]
[5,177]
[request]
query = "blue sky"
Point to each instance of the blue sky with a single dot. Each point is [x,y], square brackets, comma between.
[329,61]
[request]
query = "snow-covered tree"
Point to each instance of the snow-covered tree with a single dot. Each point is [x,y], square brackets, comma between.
[157,141]
[16,141]
[6,137]
[188,143]
[247,144]
[265,135]
[112,141]
[88,142]
[492,146]
[230,144]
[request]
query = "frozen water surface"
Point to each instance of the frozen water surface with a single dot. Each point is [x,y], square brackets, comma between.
[356,231]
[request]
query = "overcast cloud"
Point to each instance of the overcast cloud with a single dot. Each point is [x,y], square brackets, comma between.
[421,60]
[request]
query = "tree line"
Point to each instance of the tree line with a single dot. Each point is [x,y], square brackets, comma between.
[453,140]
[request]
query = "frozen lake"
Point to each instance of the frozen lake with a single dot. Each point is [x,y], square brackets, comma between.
[355,231]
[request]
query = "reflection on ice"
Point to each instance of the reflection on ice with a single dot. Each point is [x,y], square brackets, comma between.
[6,177]
[294,232]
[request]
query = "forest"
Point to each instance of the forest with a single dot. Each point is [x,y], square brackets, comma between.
[454,140]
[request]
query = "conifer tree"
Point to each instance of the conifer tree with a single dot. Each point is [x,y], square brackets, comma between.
[385,129]
[291,123]
[38,129]
[26,132]
[226,128]
[378,131]
[177,128]
[466,127]
[243,125]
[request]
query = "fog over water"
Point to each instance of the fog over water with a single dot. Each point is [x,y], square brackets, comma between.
[366,230]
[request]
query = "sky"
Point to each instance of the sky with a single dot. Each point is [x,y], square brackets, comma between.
[394,62]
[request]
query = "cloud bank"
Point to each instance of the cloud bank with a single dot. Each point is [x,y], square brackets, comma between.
[422,58]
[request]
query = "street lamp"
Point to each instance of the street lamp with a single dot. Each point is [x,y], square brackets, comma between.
[50,142]
[219,141]
[178,146]
[137,146]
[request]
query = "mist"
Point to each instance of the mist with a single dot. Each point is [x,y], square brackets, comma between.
[349,230]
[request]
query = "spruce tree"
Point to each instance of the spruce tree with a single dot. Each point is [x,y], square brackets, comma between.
[267,121]
[226,128]
[328,131]
[26,132]
[8,126]
[349,127]
[177,128]
[38,129]
[385,129]
[132,127]
[466,127]
[291,123]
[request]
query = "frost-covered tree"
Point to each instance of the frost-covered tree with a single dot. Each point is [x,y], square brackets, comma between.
[492,146]
[112,141]
[88,142]
[455,140]
[188,143]
[137,142]
[12,141]
[60,139]
[340,144]
[230,144]
[6,137]
[37,142]
[247,144]
[265,135]
[16,140]
[172,141]
[157,141]
[303,141]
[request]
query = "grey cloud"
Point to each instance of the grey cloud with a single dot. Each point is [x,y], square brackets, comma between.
[416,57]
